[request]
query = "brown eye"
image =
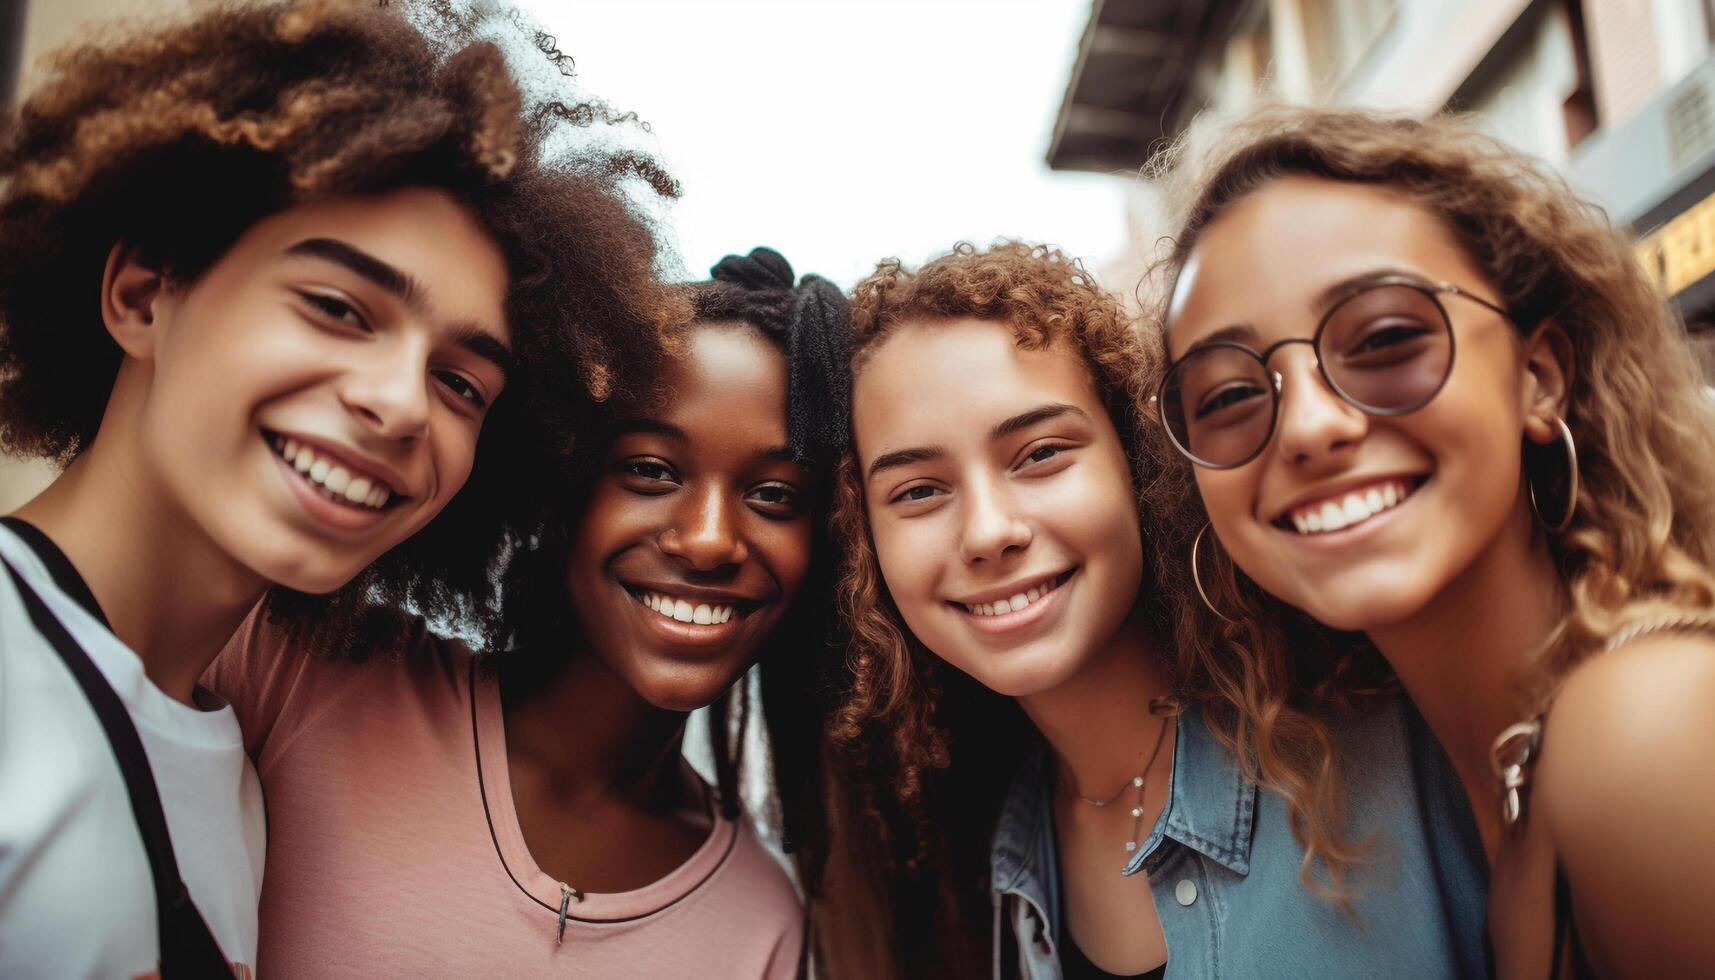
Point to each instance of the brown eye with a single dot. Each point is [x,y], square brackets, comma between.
[335,308]
[922,491]
[775,499]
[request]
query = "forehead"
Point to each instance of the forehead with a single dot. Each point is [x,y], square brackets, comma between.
[728,376]
[1265,258]
[931,380]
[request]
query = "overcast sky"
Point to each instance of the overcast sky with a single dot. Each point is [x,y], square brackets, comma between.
[843,131]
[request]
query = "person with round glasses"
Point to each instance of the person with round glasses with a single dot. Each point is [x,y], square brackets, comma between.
[1433,400]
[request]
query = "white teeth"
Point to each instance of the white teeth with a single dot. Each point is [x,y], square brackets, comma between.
[1017,601]
[335,480]
[702,614]
[1354,508]
[1333,517]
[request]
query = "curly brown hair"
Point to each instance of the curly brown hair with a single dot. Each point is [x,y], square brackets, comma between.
[1641,539]
[906,715]
[174,139]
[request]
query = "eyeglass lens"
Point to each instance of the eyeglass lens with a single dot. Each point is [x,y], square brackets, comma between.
[1386,349]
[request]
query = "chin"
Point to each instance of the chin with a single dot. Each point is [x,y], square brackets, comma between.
[1031,675]
[1361,613]
[685,690]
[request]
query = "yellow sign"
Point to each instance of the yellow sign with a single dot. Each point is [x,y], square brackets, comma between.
[1682,251]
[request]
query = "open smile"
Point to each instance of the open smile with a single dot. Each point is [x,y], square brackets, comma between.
[1015,606]
[338,480]
[1349,507]
[693,617]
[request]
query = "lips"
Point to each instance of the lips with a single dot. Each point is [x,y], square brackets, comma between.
[687,610]
[1020,597]
[1349,507]
[335,479]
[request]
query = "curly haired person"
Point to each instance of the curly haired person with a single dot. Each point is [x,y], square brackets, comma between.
[267,277]
[1430,396]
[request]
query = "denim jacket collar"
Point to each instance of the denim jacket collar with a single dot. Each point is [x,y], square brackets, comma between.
[1211,809]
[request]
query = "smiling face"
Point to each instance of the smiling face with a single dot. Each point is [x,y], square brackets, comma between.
[697,534]
[999,500]
[1360,520]
[315,396]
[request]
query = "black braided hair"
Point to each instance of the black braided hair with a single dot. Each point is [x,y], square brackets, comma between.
[808,320]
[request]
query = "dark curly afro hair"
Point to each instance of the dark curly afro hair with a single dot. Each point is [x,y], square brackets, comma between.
[174,139]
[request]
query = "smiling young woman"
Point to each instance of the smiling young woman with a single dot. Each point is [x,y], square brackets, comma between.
[567,830]
[1432,397]
[1030,727]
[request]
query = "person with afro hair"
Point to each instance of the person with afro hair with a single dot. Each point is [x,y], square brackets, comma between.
[527,809]
[267,273]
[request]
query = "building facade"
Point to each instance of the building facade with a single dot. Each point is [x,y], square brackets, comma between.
[1618,94]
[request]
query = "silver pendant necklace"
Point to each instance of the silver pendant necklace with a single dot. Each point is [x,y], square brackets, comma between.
[1136,782]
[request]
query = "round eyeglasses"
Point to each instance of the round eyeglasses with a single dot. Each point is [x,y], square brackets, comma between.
[1385,348]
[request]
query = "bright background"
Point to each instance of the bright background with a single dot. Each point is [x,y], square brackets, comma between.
[843,131]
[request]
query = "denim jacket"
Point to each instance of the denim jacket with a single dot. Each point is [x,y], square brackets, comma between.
[1223,863]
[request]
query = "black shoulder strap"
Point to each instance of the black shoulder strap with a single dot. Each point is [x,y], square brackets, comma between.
[187,947]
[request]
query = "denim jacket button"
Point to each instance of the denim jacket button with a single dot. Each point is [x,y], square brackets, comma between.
[1185,891]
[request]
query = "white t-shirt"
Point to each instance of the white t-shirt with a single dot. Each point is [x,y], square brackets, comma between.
[76,896]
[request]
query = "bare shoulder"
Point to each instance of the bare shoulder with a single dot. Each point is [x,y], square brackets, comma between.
[1624,791]
[1631,720]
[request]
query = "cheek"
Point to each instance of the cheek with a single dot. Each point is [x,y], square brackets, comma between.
[785,548]
[898,551]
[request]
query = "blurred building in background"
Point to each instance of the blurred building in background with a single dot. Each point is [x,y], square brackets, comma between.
[1619,94]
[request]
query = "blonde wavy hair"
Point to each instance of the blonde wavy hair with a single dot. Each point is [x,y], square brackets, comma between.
[1640,540]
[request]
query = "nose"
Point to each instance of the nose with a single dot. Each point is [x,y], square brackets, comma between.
[703,533]
[389,392]
[992,526]
[1315,423]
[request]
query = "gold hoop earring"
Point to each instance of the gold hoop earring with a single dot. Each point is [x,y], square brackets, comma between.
[1197,578]
[1556,527]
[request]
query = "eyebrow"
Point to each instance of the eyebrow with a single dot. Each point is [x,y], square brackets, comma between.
[649,426]
[400,284]
[904,457]
[1327,298]
[1002,429]
[407,290]
[1320,304]
[1025,420]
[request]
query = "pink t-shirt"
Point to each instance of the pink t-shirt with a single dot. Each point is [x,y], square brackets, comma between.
[394,849]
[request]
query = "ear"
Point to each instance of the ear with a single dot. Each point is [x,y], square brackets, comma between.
[133,294]
[1547,388]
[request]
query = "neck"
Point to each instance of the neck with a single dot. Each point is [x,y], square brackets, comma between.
[169,592]
[1460,657]
[1098,724]
[589,733]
